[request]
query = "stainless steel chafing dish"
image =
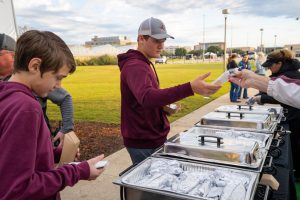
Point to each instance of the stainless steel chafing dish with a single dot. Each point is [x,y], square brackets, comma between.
[275,111]
[239,121]
[187,180]
[238,148]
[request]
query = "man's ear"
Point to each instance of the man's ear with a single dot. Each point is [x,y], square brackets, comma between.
[34,65]
[140,38]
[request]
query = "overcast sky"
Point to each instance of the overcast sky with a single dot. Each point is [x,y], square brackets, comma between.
[77,21]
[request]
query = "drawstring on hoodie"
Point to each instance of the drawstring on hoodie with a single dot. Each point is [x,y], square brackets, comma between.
[160,110]
[155,74]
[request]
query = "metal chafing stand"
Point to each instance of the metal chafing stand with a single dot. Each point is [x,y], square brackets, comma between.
[217,142]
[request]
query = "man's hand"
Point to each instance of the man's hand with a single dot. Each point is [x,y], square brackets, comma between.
[243,78]
[172,108]
[61,137]
[77,156]
[94,172]
[254,99]
[199,86]
[248,79]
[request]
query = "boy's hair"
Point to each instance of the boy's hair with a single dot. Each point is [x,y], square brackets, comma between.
[146,37]
[47,46]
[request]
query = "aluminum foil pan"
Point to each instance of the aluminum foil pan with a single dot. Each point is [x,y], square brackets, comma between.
[188,180]
[263,140]
[239,121]
[275,111]
[237,148]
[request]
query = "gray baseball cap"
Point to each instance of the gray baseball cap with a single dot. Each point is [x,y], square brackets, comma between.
[7,42]
[154,28]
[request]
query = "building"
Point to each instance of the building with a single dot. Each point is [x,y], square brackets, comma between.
[245,49]
[112,40]
[172,49]
[268,50]
[208,44]
[295,48]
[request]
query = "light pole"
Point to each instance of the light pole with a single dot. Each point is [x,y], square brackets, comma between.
[225,12]
[203,45]
[261,36]
[275,36]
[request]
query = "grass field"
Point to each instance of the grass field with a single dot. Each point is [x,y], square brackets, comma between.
[96,91]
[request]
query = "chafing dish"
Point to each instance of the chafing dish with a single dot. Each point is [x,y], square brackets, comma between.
[275,111]
[239,121]
[187,180]
[238,148]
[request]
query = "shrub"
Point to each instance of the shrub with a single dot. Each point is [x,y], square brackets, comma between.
[101,60]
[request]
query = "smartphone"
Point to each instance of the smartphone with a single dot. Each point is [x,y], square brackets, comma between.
[101,164]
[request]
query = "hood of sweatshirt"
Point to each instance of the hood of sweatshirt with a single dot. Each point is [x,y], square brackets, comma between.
[7,88]
[131,55]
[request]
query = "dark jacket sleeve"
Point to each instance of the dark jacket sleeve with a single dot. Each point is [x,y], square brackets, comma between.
[64,100]
[268,99]
[139,81]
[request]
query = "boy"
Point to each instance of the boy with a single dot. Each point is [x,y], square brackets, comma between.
[27,170]
[59,96]
[144,124]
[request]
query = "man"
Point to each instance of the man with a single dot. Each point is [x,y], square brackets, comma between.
[27,169]
[59,96]
[7,52]
[244,64]
[144,125]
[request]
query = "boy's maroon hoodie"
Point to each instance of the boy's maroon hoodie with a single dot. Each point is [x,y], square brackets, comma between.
[26,154]
[143,123]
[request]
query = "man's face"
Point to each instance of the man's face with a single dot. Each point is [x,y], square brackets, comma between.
[49,81]
[6,62]
[275,67]
[152,47]
[245,58]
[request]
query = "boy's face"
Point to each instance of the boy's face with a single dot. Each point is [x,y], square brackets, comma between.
[49,81]
[152,47]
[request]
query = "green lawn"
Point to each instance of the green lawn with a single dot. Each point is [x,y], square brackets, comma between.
[96,91]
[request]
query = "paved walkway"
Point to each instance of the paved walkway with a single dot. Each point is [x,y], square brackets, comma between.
[103,188]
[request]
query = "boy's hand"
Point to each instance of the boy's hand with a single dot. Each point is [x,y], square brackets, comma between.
[77,156]
[199,86]
[94,172]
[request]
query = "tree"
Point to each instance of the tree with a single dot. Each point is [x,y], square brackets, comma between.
[164,53]
[180,52]
[215,49]
[196,52]
[238,51]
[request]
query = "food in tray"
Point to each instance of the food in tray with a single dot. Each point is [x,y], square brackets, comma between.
[171,108]
[171,175]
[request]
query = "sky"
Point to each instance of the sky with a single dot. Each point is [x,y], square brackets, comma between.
[189,21]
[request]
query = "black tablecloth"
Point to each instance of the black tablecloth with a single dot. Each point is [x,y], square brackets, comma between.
[285,176]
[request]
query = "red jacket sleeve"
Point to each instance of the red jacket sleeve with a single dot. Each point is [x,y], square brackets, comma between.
[139,81]
[27,165]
